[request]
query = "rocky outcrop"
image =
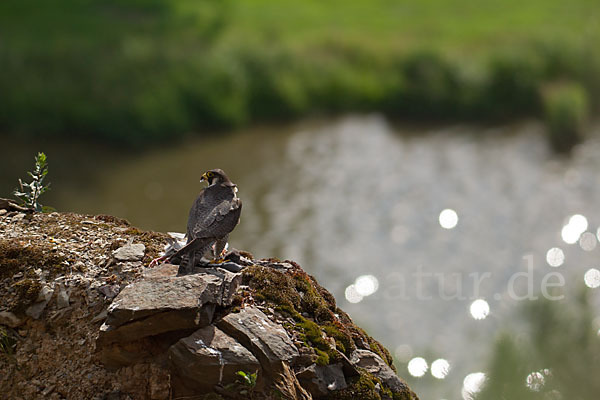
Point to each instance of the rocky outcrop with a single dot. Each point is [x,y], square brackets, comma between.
[375,365]
[92,321]
[208,358]
[269,341]
[159,309]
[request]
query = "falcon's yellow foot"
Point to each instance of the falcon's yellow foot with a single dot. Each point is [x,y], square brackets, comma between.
[219,260]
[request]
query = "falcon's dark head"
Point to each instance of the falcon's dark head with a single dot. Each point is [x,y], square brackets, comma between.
[216,176]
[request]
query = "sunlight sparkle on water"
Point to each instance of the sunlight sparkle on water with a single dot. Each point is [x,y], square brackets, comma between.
[417,367]
[479,309]
[352,294]
[472,384]
[448,218]
[363,286]
[588,241]
[535,381]
[592,278]
[440,368]
[366,285]
[579,222]
[555,257]
[571,232]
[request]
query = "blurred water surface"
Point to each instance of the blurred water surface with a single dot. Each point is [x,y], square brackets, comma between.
[397,222]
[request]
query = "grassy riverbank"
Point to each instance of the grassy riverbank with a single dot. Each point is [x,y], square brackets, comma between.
[133,71]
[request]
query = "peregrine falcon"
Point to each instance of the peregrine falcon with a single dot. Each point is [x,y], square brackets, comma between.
[214,214]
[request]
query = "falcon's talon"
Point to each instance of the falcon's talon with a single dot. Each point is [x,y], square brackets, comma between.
[219,260]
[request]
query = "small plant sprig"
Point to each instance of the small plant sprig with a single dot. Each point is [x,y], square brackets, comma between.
[248,379]
[29,193]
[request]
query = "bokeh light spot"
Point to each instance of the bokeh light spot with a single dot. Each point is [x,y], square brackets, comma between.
[352,294]
[472,384]
[592,278]
[579,223]
[588,241]
[479,309]
[571,232]
[448,218]
[440,368]
[555,257]
[417,367]
[535,381]
[366,285]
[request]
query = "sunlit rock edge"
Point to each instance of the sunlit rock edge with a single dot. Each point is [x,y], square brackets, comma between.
[81,316]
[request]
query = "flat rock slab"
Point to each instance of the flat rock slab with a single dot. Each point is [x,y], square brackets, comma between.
[209,357]
[153,296]
[130,252]
[268,341]
[166,303]
[375,365]
[156,324]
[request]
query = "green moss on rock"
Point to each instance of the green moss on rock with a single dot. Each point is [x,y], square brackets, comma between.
[314,311]
[296,294]
[320,325]
[362,388]
[368,387]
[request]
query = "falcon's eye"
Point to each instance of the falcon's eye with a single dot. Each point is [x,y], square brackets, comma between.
[209,174]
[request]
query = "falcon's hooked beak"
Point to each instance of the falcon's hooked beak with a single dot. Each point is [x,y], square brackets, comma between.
[204,177]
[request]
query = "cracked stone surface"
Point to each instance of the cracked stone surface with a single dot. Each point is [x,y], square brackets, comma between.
[207,358]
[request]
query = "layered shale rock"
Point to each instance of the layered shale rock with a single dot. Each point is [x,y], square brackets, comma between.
[83,317]
[208,358]
[160,307]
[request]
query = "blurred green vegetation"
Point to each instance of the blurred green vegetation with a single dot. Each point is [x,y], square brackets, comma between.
[137,71]
[566,113]
[559,357]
